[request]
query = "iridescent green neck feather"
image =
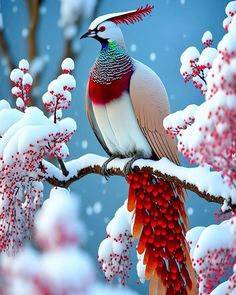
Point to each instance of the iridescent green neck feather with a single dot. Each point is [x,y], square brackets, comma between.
[112,63]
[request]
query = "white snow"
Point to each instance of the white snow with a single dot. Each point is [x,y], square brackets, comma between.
[23,64]
[215,236]
[15,91]
[71,12]
[8,117]
[60,212]
[191,53]
[4,104]
[141,268]
[32,127]
[230,8]
[207,56]
[207,36]
[89,210]
[56,87]
[133,47]
[43,9]
[27,79]
[105,289]
[48,97]
[97,207]
[208,181]
[190,211]
[20,103]
[15,9]
[25,32]
[38,64]
[152,56]
[113,251]
[67,79]
[67,268]
[180,118]
[223,289]
[84,144]
[16,75]
[68,64]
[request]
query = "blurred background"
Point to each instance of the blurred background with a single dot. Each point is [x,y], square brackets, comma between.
[47,31]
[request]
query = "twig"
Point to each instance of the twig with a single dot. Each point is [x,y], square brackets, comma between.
[65,172]
[186,177]
[5,51]
[33,9]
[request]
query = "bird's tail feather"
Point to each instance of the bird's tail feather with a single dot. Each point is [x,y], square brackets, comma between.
[160,223]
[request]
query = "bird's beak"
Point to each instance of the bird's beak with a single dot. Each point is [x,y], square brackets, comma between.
[89,34]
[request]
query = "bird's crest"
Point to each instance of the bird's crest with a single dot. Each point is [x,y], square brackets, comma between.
[129,17]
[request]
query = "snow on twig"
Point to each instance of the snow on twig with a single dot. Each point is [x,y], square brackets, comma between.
[207,184]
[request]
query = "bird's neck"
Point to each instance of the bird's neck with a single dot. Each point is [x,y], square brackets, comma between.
[113,63]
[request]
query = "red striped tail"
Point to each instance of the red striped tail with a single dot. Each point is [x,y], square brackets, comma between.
[160,223]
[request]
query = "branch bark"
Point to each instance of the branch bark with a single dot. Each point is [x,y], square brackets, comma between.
[33,9]
[6,51]
[188,178]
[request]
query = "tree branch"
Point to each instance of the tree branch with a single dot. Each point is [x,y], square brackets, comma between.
[198,180]
[5,50]
[33,9]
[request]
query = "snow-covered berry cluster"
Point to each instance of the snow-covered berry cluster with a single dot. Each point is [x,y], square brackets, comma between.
[179,121]
[211,138]
[195,66]
[57,224]
[113,253]
[230,11]
[222,76]
[213,256]
[61,267]
[207,39]
[22,82]
[58,96]
[26,138]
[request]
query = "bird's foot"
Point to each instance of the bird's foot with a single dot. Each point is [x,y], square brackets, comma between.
[128,166]
[104,170]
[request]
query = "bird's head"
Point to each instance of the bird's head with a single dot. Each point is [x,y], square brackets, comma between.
[106,28]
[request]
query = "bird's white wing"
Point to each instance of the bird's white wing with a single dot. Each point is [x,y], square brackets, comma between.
[93,122]
[151,106]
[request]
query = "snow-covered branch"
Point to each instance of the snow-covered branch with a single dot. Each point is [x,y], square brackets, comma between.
[207,184]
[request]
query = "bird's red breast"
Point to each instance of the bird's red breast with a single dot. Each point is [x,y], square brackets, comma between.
[104,93]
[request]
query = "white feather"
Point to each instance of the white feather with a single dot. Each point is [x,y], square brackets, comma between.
[119,127]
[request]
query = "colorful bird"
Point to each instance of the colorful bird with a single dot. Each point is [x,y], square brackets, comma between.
[126,104]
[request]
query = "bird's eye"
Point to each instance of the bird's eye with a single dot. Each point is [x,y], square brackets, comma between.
[102,29]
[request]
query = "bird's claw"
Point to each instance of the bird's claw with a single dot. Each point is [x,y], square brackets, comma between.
[128,169]
[128,166]
[104,170]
